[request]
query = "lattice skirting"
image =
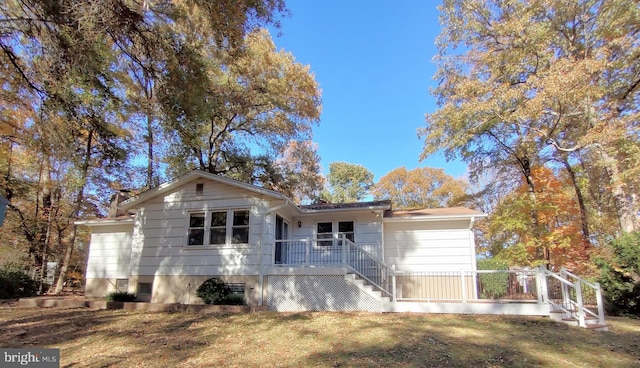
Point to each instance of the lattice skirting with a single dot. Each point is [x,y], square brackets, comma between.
[317,293]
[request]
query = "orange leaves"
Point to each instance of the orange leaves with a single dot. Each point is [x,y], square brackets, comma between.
[544,226]
[419,188]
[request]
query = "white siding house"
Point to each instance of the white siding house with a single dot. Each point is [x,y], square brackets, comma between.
[289,257]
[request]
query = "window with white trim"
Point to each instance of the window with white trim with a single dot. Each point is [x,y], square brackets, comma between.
[325,231]
[346,228]
[334,230]
[122,285]
[219,227]
[195,233]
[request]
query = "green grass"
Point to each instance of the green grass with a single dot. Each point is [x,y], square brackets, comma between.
[120,338]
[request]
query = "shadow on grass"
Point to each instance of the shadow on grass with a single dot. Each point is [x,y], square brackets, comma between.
[465,341]
[122,338]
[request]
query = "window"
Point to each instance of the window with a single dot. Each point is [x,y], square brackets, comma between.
[195,233]
[218,233]
[122,285]
[330,230]
[218,227]
[236,288]
[325,231]
[144,288]
[240,227]
[346,228]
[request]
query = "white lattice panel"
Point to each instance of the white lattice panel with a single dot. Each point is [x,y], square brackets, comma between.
[317,293]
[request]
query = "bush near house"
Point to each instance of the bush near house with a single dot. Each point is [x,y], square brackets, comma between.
[15,283]
[121,296]
[620,275]
[493,285]
[215,291]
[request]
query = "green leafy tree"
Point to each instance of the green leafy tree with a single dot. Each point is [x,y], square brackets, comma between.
[620,274]
[347,183]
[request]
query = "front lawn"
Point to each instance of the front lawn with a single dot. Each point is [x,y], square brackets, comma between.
[119,338]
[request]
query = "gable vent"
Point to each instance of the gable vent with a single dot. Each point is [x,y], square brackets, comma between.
[199,188]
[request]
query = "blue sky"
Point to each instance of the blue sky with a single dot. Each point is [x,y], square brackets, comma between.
[372,60]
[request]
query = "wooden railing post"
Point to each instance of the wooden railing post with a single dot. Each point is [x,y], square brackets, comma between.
[565,290]
[345,261]
[581,318]
[307,255]
[600,304]
[393,283]
[463,289]
[541,285]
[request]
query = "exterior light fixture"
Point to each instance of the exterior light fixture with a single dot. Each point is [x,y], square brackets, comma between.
[299,223]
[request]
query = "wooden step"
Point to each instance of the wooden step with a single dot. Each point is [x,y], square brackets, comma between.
[597,327]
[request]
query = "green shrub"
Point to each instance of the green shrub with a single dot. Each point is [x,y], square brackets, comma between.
[493,285]
[15,283]
[234,299]
[620,275]
[213,291]
[120,296]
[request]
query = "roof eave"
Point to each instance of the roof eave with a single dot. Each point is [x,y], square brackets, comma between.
[193,175]
[105,222]
[309,212]
[433,218]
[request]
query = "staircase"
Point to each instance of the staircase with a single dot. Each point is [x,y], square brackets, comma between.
[573,300]
[371,290]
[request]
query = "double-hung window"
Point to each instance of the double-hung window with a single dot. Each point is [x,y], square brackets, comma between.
[345,228]
[331,230]
[195,234]
[219,227]
[325,231]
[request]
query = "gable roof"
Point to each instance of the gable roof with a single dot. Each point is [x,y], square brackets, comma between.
[384,205]
[191,176]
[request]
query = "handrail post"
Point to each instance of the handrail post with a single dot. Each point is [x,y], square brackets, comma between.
[600,304]
[565,290]
[344,250]
[541,284]
[581,317]
[307,252]
[393,283]
[463,288]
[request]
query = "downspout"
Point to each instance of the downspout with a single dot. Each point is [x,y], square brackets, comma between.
[472,242]
[474,265]
[262,232]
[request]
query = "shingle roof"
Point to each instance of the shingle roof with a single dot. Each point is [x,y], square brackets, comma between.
[336,206]
[449,211]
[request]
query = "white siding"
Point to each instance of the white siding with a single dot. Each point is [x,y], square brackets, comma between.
[368,228]
[429,246]
[163,223]
[110,251]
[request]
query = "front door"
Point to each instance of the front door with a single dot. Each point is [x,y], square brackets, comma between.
[282,233]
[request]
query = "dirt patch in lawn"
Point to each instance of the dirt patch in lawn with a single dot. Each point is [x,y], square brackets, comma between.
[101,338]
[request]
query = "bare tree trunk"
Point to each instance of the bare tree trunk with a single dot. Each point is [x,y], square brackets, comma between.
[583,210]
[627,214]
[64,265]
[149,151]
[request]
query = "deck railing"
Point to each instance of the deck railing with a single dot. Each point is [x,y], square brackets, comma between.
[359,258]
[563,291]
[468,285]
[575,297]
